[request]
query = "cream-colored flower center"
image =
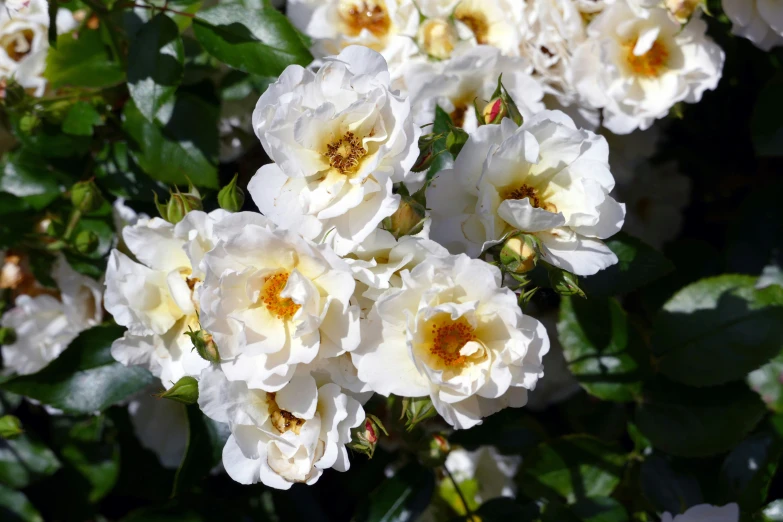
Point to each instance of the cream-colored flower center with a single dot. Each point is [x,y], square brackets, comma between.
[650,64]
[475,20]
[437,38]
[346,153]
[448,339]
[526,191]
[282,307]
[18,45]
[282,420]
[368,14]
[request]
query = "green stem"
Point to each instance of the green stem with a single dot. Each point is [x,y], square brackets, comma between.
[468,512]
[76,215]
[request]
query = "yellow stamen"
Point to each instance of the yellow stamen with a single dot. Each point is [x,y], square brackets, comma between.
[282,307]
[282,420]
[346,153]
[448,340]
[370,15]
[649,65]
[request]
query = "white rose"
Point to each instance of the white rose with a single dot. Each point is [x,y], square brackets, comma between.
[161,425]
[46,324]
[706,513]
[636,68]
[24,41]
[285,437]
[272,301]
[154,297]
[455,84]
[546,178]
[493,472]
[760,21]
[340,137]
[453,333]
[493,22]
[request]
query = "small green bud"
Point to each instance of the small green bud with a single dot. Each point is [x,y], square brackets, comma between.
[434,451]
[427,152]
[29,122]
[364,438]
[416,410]
[86,197]
[10,427]
[519,254]
[184,390]
[86,242]
[408,219]
[179,205]
[231,197]
[204,345]
[7,336]
[564,283]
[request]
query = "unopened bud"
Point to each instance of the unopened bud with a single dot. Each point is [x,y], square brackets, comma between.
[364,438]
[86,242]
[7,336]
[427,153]
[204,345]
[184,390]
[416,410]
[495,111]
[86,197]
[434,451]
[564,283]
[519,254]
[408,219]
[10,427]
[508,107]
[231,197]
[179,205]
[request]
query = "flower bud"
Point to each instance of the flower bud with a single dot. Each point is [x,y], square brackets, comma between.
[508,107]
[564,283]
[7,336]
[408,219]
[416,410]
[519,254]
[10,427]
[204,345]
[427,153]
[495,111]
[179,205]
[86,242]
[434,451]
[86,196]
[365,437]
[184,390]
[231,197]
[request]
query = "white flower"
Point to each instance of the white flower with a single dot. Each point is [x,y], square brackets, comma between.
[637,68]
[706,513]
[285,437]
[453,333]
[46,324]
[272,301]
[492,472]
[161,426]
[493,22]
[455,84]
[546,178]
[760,21]
[339,137]
[24,41]
[154,297]
[386,26]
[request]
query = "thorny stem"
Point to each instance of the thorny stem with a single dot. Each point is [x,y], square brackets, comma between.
[468,512]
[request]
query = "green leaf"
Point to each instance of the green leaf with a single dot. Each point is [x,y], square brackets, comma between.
[155,64]
[718,330]
[25,460]
[504,509]
[81,119]
[206,439]
[30,177]
[639,264]
[697,422]
[48,140]
[571,468]
[767,381]
[400,498]
[258,41]
[442,125]
[511,431]
[82,61]
[667,488]
[185,148]
[599,509]
[603,350]
[748,470]
[85,378]
[14,507]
